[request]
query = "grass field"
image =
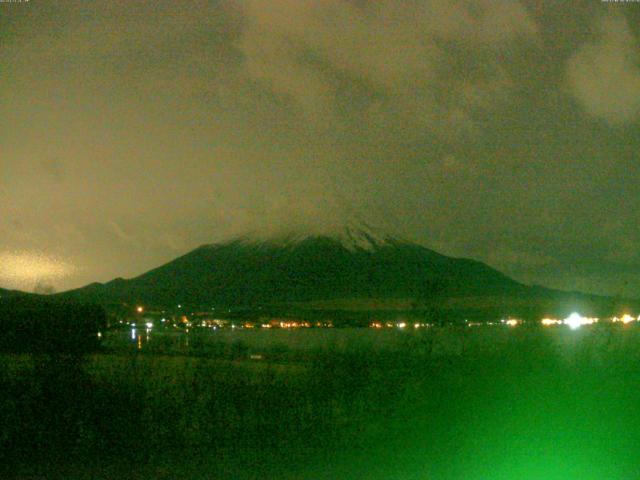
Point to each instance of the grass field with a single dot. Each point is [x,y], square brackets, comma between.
[447,403]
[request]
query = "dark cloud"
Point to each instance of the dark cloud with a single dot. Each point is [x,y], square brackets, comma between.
[604,75]
[501,130]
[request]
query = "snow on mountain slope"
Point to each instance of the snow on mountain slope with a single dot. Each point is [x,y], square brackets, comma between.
[353,236]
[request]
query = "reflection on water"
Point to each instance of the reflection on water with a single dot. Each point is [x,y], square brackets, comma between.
[140,339]
[281,343]
[242,343]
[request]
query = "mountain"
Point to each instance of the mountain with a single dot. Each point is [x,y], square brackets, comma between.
[7,294]
[355,269]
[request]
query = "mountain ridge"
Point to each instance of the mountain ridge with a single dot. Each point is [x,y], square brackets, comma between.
[354,268]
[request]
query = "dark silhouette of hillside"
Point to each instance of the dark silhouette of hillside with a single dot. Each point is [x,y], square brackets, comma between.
[312,269]
[35,324]
[7,294]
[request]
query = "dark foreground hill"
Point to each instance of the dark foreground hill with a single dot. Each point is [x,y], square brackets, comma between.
[37,324]
[354,271]
[7,294]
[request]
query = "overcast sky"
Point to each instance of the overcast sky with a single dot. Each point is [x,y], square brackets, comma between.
[506,131]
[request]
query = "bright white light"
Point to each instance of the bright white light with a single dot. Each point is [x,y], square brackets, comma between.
[402,325]
[149,325]
[133,334]
[575,320]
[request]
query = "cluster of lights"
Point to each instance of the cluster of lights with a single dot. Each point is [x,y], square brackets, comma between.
[401,325]
[573,321]
[626,318]
[294,324]
[550,321]
[511,322]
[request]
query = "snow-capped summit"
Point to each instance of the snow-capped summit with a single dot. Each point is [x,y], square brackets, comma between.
[352,236]
[363,237]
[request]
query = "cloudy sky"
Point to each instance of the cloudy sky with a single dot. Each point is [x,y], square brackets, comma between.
[506,131]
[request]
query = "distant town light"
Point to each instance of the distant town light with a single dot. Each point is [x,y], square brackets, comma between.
[626,318]
[512,322]
[140,309]
[149,325]
[550,321]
